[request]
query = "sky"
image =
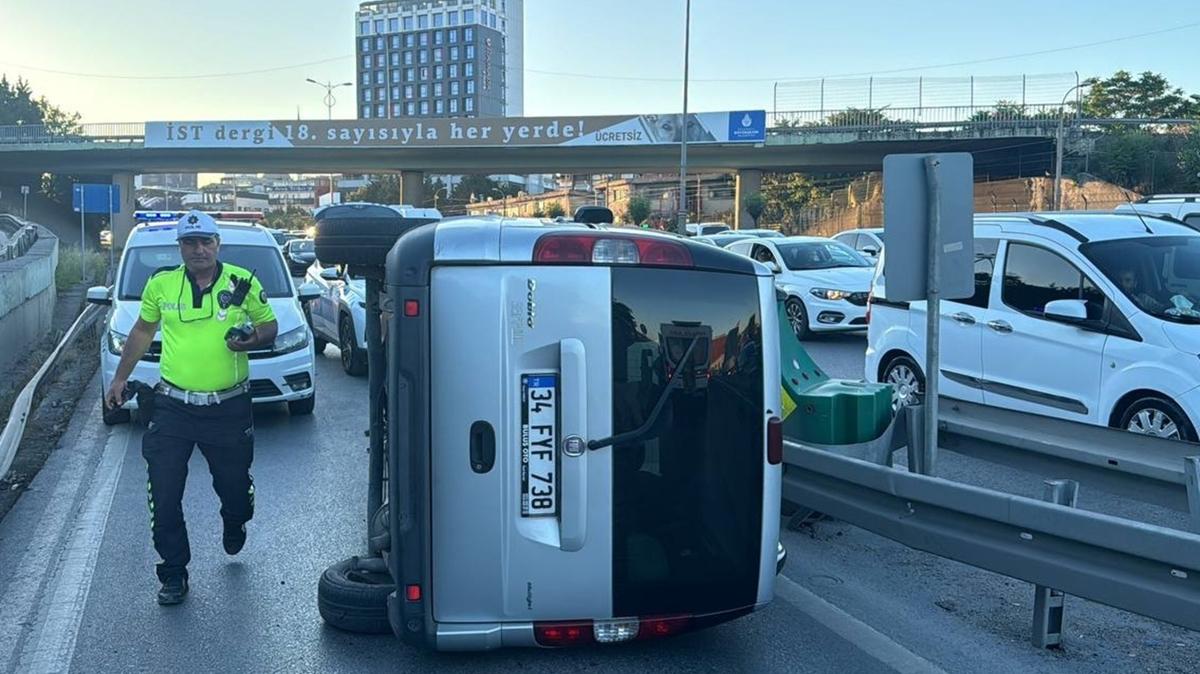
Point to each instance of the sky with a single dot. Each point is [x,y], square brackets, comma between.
[581,56]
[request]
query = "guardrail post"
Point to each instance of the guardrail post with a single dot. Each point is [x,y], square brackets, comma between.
[1191,471]
[1048,603]
[921,457]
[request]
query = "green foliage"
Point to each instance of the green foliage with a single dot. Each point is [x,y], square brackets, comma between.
[857,117]
[18,106]
[69,271]
[1123,157]
[539,213]
[755,204]
[293,218]
[638,210]
[1007,111]
[786,194]
[1189,163]
[1147,96]
[555,210]
[383,189]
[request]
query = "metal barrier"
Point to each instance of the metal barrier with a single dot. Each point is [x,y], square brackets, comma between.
[21,237]
[1129,565]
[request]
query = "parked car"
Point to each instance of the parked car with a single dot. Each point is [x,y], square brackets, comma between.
[867,241]
[1183,207]
[282,373]
[723,239]
[339,315]
[299,254]
[762,233]
[1090,317]
[826,282]
[706,228]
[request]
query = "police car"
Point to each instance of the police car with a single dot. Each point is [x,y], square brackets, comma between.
[283,373]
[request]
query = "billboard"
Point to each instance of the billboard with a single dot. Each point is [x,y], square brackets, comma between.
[745,126]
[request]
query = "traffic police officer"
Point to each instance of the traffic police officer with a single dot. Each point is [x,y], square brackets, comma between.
[203,398]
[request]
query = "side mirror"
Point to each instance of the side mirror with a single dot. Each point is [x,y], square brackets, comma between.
[871,251]
[774,267]
[309,292]
[99,295]
[1067,311]
[331,274]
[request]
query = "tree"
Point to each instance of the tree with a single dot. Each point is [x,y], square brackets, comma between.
[857,117]
[383,189]
[1147,96]
[292,218]
[786,194]
[19,107]
[755,204]
[1008,111]
[638,209]
[1189,162]
[538,213]
[555,210]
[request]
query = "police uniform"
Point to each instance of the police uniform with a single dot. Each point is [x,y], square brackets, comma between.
[203,399]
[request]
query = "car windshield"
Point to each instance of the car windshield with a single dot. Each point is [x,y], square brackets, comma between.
[802,255]
[141,262]
[302,246]
[1160,274]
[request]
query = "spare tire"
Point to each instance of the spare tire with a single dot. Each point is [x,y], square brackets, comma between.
[361,234]
[353,594]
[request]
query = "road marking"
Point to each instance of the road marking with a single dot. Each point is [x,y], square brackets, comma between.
[861,635]
[52,644]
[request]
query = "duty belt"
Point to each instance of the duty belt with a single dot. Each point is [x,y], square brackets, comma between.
[201,398]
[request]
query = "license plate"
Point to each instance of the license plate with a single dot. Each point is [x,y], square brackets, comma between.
[539,445]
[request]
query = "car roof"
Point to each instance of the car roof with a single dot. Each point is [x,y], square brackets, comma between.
[237,233]
[1075,227]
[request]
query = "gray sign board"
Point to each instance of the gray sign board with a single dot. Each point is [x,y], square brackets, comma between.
[906,219]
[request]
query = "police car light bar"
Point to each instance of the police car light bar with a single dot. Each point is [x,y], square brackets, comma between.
[158,216]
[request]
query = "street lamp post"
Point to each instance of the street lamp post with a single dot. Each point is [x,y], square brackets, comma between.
[330,101]
[687,33]
[435,195]
[1058,147]
[503,200]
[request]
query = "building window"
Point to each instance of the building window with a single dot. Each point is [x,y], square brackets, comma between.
[410,74]
[424,107]
[453,106]
[439,107]
[468,34]
[439,37]
[395,42]
[408,23]
[408,91]
[409,40]
[454,53]
[379,43]
[408,58]
[364,27]
[395,93]
[366,77]
[395,76]
[424,56]
[379,26]
[437,54]
[411,109]
[470,87]
[491,20]
[395,109]
[381,95]
[468,16]
[381,111]
[452,19]
[423,21]
[468,69]
[423,39]
[367,61]
[437,89]
[470,52]
[366,95]
[504,26]
[424,91]
[395,58]
[425,73]
[393,25]
[380,60]
[453,70]
[365,44]
[439,72]
[366,112]
[379,75]
[454,88]
[469,105]
[439,20]
[453,36]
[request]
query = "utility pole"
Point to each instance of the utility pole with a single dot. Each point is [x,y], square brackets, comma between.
[330,101]
[683,127]
[1058,147]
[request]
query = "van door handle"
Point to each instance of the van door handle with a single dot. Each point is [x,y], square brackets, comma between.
[572,501]
[483,447]
[1000,326]
[963,318]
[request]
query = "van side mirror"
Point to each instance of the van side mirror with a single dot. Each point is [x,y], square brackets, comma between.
[1067,311]
[330,274]
[774,267]
[99,295]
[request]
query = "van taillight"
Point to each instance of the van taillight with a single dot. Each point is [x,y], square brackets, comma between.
[656,628]
[558,634]
[583,632]
[608,249]
[775,441]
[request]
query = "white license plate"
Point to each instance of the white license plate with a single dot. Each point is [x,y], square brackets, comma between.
[539,445]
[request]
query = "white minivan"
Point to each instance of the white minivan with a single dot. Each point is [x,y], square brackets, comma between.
[283,373]
[1088,317]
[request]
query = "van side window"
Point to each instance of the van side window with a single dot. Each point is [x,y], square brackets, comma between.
[985,266]
[1192,220]
[1034,276]
[761,253]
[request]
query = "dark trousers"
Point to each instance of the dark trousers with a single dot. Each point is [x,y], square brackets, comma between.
[225,434]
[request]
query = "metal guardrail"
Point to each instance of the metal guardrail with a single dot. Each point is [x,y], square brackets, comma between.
[38,134]
[20,238]
[1149,570]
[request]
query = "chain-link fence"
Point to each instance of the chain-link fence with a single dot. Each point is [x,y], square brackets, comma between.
[876,93]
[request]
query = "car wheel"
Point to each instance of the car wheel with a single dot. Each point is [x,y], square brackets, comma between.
[354,359]
[797,318]
[908,384]
[352,595]
[303,406]
[1159,418]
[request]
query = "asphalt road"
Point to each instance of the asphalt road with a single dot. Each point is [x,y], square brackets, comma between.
[77,584]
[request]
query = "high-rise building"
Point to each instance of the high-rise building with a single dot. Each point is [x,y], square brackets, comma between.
[439,58]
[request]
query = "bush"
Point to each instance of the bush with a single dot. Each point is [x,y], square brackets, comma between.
[70,267]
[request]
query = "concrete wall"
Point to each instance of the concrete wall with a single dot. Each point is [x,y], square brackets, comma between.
[27,296]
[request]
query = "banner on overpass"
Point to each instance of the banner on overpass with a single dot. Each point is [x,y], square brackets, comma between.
[611,130]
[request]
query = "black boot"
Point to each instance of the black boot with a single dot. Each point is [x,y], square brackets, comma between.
[234,537]
[173,591]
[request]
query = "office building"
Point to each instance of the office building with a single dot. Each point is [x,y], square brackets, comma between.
[439,58]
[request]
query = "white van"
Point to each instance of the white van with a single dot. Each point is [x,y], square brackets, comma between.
[1183,207]
[1088,317]
[283,373]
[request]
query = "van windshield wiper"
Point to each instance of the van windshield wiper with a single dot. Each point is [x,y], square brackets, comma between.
[640,432]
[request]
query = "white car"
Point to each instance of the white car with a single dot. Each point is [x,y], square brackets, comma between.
[705,228]
[1183,207]
[826,282]
[339,315]
[868,241]
[1089,317]
[283,373]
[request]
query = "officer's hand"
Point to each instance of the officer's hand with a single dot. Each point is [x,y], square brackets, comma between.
[242,344]
[115,396]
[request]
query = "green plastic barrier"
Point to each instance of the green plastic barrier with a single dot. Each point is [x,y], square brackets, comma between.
[827,411]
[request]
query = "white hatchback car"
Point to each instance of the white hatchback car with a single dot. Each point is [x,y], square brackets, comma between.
[1089,317]
[283,373]
[826,282]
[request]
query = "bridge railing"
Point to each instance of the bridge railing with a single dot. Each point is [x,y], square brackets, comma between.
[888,118]
[38,134]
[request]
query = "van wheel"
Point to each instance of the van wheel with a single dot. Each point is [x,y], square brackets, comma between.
[303,406]
[354,359]
[1158,418]
[908,384]
[797,318]
[352,595]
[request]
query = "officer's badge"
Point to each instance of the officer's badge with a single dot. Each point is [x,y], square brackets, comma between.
[262,296]
[193,220]
[224,299]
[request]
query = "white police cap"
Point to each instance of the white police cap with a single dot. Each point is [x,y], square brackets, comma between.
[196,224]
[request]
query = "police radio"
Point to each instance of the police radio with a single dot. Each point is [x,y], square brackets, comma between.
[241,287]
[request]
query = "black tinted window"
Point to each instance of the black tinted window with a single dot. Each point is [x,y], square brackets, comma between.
[985,266]
[1034,277]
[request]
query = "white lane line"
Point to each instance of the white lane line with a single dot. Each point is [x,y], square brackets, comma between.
[859,634]
[52,645]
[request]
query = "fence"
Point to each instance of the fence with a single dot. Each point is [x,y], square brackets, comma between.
[20,237]
[829,95]
[37,134]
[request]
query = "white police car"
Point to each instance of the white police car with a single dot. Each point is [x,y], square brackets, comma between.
[283,373]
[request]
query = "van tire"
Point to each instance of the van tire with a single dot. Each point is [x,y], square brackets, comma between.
[354,599]
[303,406]
[354,359]
[903,371]
[1156,408]
[797,318]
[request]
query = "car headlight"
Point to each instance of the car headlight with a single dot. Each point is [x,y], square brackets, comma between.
[292,340]
[115,342]
[830,294]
